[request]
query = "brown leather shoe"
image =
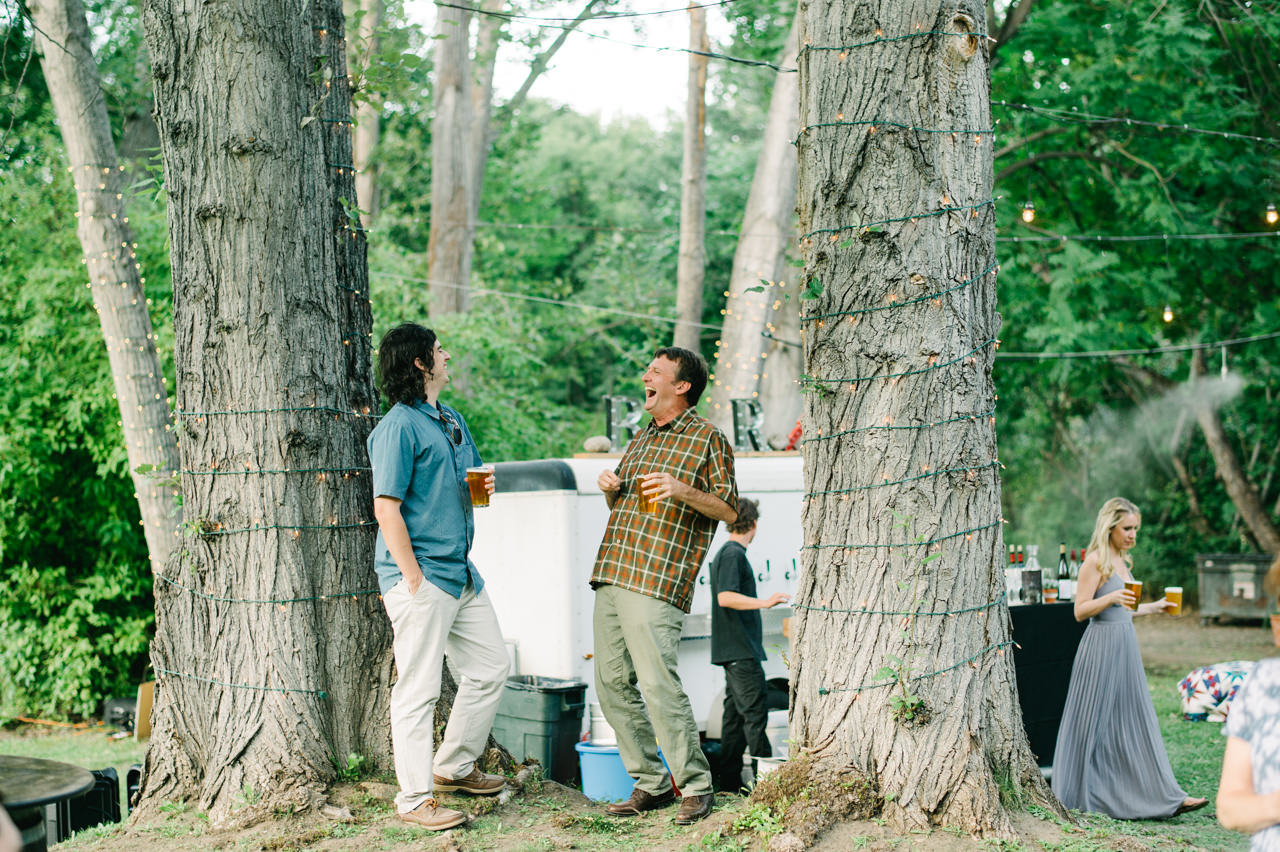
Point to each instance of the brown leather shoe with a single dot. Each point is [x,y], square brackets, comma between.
[694,808]
[431,816]
[641,801]
[476,783]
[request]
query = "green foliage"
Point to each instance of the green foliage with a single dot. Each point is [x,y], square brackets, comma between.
[761,819]
[1074,433]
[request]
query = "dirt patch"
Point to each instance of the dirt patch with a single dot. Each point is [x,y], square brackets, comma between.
[1177,645]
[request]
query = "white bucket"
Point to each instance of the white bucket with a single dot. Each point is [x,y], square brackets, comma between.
[601,732]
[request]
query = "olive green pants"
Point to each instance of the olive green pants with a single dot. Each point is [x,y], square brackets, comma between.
[637,639]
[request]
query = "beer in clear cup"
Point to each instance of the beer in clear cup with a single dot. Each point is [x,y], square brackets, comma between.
[648,504]
[476,479]
[1134,586]
[1173,594]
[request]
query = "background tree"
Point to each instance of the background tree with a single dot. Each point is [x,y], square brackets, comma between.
[271,654]
[902,534]
[691,270]
[62,40]
[760,259]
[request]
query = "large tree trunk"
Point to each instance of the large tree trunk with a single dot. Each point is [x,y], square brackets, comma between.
[692,264]
[367,115]
[1243,493]
[901,592]
[62,39]
[488,34]
[452,228]
[761,253]
[272,650]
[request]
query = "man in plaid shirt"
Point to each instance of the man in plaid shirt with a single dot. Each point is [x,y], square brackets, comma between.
[644,577]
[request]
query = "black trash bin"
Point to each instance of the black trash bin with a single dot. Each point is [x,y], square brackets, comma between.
[541,717]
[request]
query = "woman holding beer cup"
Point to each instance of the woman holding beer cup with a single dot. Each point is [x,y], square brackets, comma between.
[1109,757]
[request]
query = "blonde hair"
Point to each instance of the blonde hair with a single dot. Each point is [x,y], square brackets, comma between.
[1109,517]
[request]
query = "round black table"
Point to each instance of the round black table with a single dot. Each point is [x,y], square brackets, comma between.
[27,784]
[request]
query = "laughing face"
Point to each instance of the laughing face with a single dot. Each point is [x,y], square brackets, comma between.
[437,377]
[663,394]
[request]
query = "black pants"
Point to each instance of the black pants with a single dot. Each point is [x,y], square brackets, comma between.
[746,714]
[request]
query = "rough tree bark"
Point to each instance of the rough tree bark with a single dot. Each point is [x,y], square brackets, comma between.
[368,116]
[271,652]
[449,242]
[692,263]
[62,40]
[767,226]
[900,595]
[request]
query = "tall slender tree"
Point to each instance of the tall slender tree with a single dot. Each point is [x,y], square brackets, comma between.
[63,42]
[760,258]
[271,653]
[691,266]
[902,531]
[452,172]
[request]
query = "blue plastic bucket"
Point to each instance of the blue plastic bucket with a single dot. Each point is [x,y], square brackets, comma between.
[604,778]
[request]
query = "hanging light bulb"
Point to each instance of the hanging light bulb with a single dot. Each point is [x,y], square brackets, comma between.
[1168,313]
[1028,212]
[1271,215]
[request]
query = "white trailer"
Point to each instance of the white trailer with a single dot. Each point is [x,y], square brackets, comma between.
[536,544]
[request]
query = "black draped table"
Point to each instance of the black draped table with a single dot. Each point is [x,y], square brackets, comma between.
[27,784]
[1047,637]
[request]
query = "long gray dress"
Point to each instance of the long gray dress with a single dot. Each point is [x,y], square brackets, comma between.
[1109,757]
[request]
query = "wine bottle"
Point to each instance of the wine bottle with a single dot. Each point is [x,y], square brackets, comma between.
[1065,592]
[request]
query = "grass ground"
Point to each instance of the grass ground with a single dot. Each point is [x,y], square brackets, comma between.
[554,817]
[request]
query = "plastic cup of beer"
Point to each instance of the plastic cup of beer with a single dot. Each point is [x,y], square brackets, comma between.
[476,479]
[1173,594]
[648,504]
[1134,586]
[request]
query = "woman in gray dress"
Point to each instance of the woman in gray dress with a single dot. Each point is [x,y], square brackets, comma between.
[1109,757]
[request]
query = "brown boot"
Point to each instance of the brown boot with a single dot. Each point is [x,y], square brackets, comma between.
[475,782]
[431,816]
[694,808]
[641,801]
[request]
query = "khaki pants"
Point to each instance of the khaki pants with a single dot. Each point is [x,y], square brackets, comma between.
[426,626]
[636,643]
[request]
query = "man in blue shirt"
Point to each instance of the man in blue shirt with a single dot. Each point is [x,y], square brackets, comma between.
[435,598]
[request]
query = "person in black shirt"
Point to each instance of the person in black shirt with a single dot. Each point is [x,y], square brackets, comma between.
[737,645]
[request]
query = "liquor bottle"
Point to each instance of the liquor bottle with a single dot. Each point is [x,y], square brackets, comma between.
[1013,580]
[1064,575]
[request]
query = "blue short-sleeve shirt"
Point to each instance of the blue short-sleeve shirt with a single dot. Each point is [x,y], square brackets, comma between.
[420,454]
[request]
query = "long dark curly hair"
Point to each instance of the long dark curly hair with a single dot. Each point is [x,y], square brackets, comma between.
[399,378]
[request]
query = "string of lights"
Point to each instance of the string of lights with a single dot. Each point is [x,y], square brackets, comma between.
[881,38]
[217,529]
[1135,238]
[889,426]
[834,233]
[971,661]
[1124,353]
[934,364]
[895,303]
[319,693]
[322,471]
[322,409]
[576,28]
[910,613]
[928,474]
[874,124]
[281,602]
[1076,116]
[601,16]
[926,543]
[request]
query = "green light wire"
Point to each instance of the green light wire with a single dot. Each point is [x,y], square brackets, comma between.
[281,601]
[915,301]
[829,492]
[904,544]
[865,225]
[805,378]
[973,418]
[319,693]
[828,690]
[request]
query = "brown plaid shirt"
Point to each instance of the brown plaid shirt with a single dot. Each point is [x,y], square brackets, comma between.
[659,554]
